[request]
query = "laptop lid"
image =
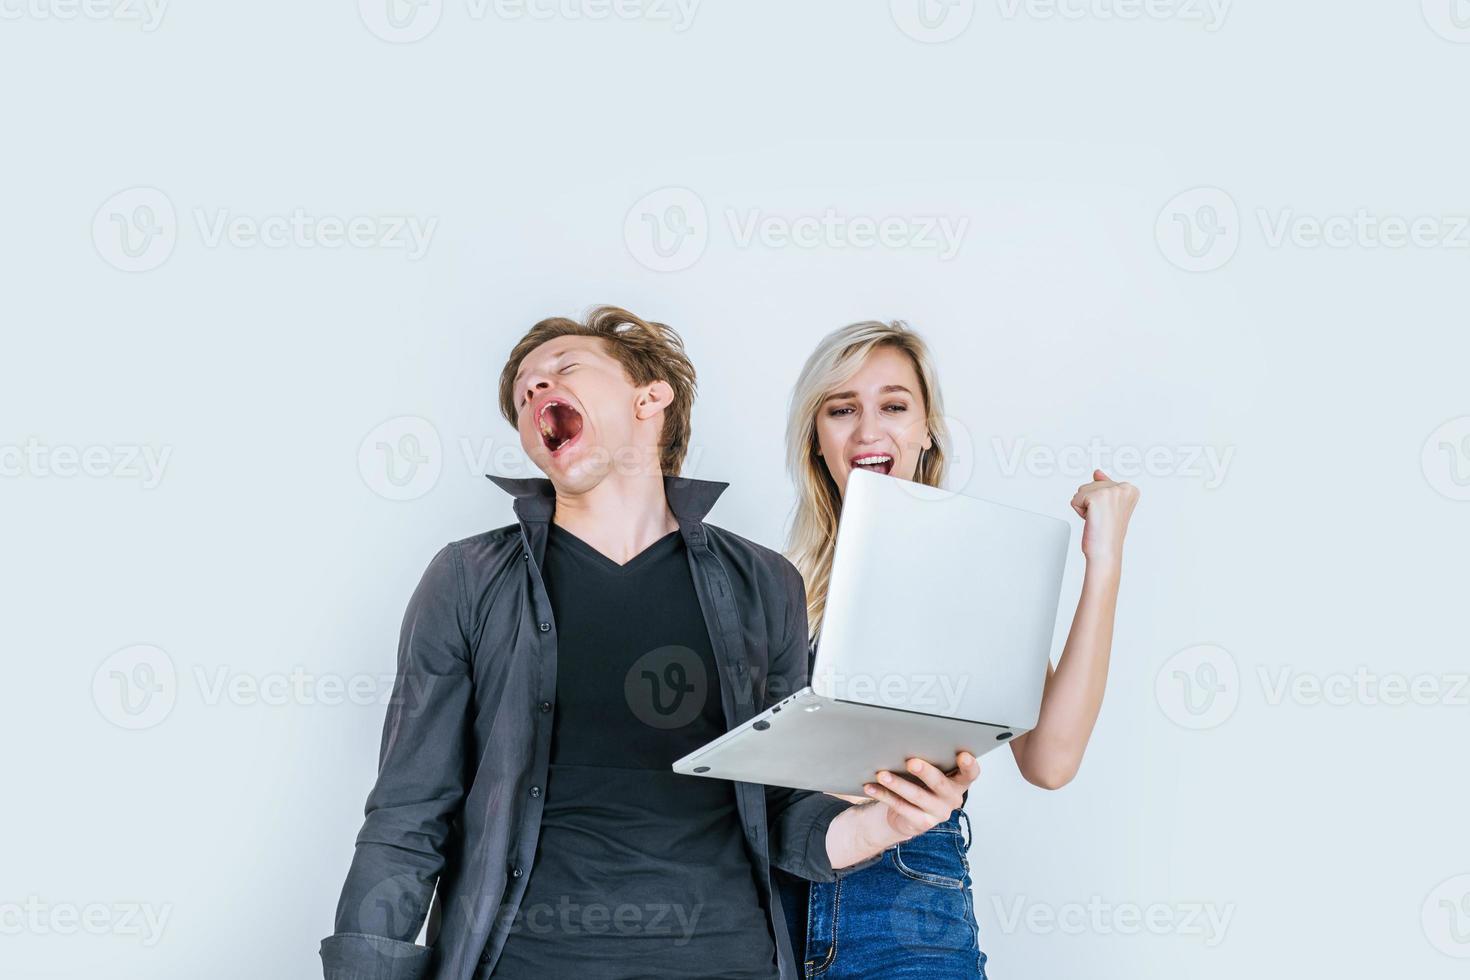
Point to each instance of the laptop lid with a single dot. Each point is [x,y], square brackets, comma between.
[940,603]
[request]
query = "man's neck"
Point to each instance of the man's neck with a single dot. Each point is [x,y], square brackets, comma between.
[620,517]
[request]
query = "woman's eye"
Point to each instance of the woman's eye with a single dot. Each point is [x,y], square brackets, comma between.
[844,410]
[897,407]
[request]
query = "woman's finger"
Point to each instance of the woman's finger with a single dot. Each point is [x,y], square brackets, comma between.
[912,815]
[935,804]
[930,774]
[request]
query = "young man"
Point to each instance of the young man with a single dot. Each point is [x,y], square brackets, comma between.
[549,672]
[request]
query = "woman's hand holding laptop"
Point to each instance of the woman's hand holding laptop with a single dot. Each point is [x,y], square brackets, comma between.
[906,807]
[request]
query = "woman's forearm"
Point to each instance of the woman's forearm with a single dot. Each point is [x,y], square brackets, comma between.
[1051,753]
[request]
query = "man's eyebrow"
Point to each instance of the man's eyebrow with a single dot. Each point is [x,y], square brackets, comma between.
[517,379]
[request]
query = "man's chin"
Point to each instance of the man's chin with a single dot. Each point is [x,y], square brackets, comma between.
[571,472]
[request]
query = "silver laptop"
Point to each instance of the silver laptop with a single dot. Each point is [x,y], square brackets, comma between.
[935,640]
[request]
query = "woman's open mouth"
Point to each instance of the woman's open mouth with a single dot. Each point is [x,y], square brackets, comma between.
[559,424]
[877,462]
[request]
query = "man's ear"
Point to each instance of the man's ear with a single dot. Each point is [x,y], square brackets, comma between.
[653,399]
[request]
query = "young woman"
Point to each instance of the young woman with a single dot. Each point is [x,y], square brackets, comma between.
[869,398]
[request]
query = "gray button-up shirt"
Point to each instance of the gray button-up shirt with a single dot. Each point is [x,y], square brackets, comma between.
[452,821]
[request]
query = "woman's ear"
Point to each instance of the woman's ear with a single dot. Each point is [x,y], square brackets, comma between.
[653,399]
[928,439]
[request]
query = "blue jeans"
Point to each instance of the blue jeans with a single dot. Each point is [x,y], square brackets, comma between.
[910,915]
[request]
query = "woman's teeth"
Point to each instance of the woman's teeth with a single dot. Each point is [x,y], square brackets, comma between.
[877,461]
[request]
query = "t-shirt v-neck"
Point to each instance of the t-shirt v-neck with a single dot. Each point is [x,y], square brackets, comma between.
[582,549]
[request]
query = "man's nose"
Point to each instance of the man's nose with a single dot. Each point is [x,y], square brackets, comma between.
[534,385]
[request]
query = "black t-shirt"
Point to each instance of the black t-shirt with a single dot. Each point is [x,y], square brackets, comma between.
[639,872]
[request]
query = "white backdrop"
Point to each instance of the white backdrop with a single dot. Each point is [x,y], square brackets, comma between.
[1224,245]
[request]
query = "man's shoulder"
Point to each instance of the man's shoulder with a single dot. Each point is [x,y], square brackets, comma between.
[739,546]
[486,552]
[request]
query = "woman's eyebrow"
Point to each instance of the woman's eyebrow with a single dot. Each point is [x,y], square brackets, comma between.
[886,389]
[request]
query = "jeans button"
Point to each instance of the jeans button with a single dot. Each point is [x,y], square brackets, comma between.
[545,627]
[516,872]
[535,792]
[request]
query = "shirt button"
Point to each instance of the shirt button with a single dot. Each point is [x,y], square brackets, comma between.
[525,556]
[545,627]
[535,792]
[516,872]
[545,706]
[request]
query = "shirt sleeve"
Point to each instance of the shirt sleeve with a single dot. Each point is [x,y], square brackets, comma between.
[419,790]
[799,818]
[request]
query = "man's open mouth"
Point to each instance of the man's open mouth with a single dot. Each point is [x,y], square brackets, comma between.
[877,462]
[559,423]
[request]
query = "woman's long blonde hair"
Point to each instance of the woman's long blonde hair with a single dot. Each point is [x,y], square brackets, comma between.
[837,358]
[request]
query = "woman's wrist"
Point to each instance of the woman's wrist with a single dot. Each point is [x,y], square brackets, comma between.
[1104,564]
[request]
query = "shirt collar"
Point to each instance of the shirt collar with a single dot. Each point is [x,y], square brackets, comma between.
[688,498]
